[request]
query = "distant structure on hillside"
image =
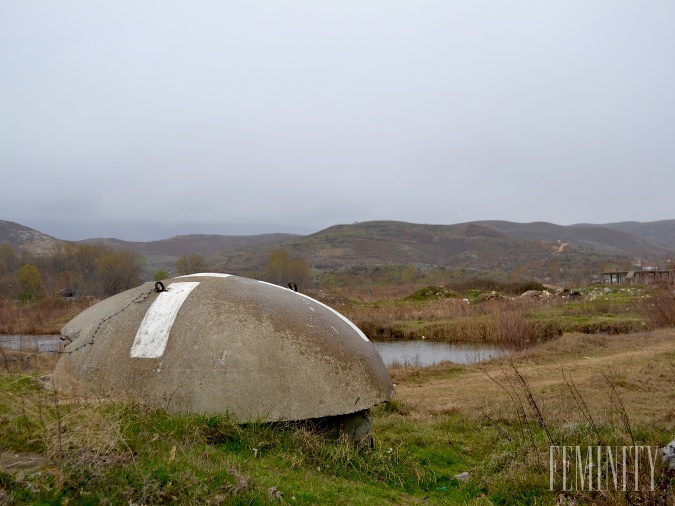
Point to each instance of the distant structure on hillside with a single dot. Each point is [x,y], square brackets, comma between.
[644,277]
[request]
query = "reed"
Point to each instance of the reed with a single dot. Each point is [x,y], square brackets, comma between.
[45,316]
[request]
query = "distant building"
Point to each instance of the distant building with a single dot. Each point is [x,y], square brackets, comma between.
[647,276]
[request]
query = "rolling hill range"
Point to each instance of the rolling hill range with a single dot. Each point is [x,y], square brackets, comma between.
[483,245]
[657,231]
[387,242]
[205,245]
[613,239]
[477,245]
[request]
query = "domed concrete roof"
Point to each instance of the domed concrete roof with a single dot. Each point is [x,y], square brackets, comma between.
[215,343]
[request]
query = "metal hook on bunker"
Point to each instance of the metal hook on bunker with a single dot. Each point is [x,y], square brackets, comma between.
[292,286]
[159,287]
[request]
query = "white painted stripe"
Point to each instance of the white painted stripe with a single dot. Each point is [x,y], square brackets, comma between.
[347,320]
[206,275]
[153,334]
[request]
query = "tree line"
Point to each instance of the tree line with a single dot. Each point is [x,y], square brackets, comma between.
[99,271]
[78,269]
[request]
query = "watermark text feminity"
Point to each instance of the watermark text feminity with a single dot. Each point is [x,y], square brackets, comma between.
[588,468]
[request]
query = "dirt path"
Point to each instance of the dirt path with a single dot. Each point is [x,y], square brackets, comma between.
[637,370]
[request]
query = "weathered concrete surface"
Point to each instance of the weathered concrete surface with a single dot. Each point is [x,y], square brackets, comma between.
[257,351]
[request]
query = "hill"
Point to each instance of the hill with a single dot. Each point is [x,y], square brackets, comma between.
[205,245]
[612,239]
[482,245]
[662,232]
[21,237]
[468,245]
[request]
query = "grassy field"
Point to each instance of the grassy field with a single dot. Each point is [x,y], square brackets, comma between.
[495,421]
[515,319]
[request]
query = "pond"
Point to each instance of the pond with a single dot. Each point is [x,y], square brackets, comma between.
[417,353]
[50,342]
[424,353]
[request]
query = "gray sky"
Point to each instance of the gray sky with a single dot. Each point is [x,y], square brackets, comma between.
[142,120]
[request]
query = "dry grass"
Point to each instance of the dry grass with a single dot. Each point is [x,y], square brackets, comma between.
[659,310]
[577,390]
[433,310]
[39,317]
[640,367]
[505,321]
[373,294]
[495,420]
[28,360]
[39,420]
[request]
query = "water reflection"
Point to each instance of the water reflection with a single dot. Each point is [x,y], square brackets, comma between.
[423,353]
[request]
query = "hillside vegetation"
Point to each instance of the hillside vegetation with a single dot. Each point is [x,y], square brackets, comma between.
[21,237]
[602,238]
[658,231]
[375,255]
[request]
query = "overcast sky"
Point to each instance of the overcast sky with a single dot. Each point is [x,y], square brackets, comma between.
[145,119]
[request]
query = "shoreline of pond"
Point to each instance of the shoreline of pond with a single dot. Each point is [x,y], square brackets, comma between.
[419,352]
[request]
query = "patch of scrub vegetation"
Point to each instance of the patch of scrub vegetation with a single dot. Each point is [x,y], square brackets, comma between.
[531,317]
[432,293]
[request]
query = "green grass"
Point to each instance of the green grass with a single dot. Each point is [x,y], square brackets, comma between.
[116,453]
[607,310]
[431,293]
[126,453]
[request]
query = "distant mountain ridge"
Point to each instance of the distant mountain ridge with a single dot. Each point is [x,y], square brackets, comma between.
[390,242]
[483,245]
[205,245]
[612,238]
[662,231]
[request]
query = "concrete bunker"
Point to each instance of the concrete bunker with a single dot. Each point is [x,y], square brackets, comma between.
[214,343]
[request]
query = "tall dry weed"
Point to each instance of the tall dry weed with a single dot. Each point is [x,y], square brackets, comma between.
[513,329]
[505,321]
[659,310]
[407,311]
[39,317]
